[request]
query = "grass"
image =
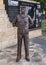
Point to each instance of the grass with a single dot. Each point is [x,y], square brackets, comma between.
[44,27]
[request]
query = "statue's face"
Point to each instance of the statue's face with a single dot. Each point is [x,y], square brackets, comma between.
[23,9]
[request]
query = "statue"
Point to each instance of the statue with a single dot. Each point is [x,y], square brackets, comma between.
[22,22]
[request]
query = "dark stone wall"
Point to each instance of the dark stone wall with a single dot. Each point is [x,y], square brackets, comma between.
[6,4]
[12,12]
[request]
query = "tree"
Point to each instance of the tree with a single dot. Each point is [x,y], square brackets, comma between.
[43,5]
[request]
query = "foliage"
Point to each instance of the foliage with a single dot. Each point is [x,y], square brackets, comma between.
[44,26]
[43,4]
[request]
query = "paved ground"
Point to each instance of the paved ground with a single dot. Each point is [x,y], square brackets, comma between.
[41,40]
[37,50]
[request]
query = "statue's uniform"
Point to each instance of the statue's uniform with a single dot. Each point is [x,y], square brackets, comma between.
[22,22]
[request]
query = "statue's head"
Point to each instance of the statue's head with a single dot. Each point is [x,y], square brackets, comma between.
[22,9]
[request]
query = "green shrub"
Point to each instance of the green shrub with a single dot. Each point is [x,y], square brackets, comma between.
[44,27]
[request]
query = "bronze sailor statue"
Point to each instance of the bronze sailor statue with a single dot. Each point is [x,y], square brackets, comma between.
[22,21]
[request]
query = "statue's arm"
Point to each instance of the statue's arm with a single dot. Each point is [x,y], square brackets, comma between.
[31,20]
[14,22]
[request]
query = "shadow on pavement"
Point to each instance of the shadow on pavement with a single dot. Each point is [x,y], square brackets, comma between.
[40,40]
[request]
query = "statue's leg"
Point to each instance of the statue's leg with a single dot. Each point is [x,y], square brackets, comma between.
[19,45]
[26,42]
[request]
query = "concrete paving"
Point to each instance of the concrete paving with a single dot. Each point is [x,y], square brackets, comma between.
[37,53]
